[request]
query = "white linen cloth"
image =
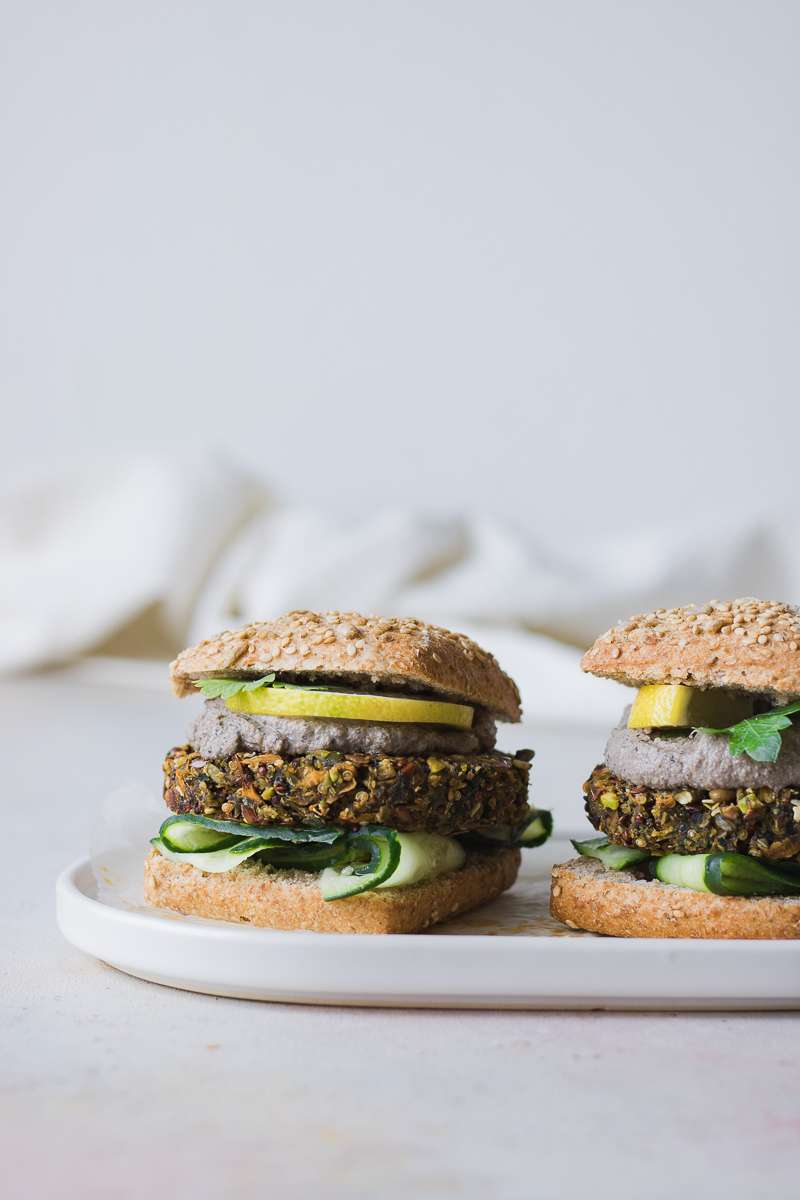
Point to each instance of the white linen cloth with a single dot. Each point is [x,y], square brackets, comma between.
[87,554]
[84,552]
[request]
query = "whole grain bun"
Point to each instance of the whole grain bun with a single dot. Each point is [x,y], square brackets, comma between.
[585,895]
[749,645]
[396,652]
[274,899]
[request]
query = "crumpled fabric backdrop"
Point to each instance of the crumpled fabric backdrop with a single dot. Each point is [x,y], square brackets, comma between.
[138,558]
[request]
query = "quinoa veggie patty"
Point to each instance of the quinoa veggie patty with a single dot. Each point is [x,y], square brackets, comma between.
[450,794]
[760,821]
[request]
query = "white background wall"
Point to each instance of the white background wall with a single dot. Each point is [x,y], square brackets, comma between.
[535,258]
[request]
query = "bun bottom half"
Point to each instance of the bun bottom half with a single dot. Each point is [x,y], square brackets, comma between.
[278,899]
[586,895]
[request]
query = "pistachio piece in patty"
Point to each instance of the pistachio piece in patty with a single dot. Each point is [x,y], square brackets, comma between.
[452,794]
[757,821]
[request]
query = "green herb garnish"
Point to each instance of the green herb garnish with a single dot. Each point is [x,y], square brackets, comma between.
[759,737]
[223,689]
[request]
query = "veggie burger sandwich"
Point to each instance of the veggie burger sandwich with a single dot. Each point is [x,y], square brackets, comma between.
[698,800]
[341,776]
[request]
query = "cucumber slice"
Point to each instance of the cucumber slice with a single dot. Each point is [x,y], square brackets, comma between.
[188,841]
[684,870]
[612,857]
[215,860]
[729,874]
[538,830]
[424,856]
[382,850]
[305,858]
[741,875]
[189,837]
[276,833]
[498,835]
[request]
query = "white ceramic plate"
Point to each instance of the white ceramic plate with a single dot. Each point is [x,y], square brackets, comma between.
[510,954]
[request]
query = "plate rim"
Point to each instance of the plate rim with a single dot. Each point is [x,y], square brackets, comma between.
[406,971]
[68,890]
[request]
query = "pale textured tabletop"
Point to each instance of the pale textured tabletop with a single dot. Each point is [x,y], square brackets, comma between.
[116,1088]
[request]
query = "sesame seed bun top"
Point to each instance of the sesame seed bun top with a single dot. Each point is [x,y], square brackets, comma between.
[748,645]
[390,652]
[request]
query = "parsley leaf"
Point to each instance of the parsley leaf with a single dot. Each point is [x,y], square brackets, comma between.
[223,689]
[759,737]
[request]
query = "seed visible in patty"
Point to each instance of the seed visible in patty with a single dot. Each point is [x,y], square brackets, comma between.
[761,822]
[450,794]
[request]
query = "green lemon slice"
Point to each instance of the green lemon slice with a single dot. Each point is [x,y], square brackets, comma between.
[674,705]
[350,706]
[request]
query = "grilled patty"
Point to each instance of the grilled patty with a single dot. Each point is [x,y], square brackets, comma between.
[449,794]
[760,822]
